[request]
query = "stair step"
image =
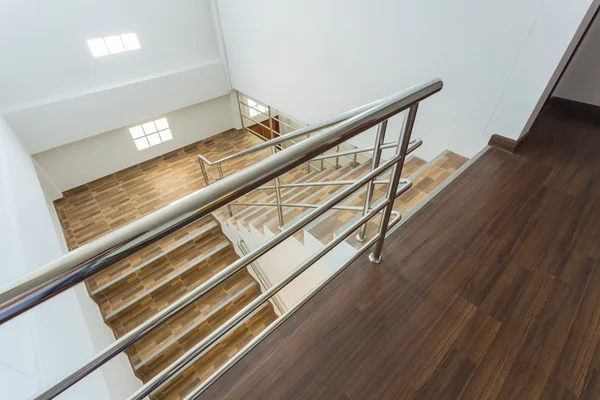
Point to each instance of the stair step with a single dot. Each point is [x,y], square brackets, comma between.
[425,179]
[215,356]
[176,273]
[144,257]
[212,226]
[197,327]
[330,222]
[321,195]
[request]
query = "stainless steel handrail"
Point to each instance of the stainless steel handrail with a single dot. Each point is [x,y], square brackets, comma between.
[317,126]
[74,267]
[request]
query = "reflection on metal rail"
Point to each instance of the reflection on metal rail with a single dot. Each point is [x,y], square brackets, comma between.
[76,266]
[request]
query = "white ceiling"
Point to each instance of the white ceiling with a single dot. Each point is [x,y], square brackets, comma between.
[45,54]
[45,57]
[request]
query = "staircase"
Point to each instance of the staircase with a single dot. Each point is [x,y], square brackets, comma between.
[138,287]
[141,285]
[134,290]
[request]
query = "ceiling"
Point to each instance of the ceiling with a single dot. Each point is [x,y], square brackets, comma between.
[46,59]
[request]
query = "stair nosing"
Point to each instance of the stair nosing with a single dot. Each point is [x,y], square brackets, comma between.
[192,263]
[290,198]
[176,245]
[195,325]
[215,343]
[308,198]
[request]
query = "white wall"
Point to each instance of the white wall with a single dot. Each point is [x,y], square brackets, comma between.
[553,38]
[581,80]
[53,91]
[85,160]
[41,345]
[329,56]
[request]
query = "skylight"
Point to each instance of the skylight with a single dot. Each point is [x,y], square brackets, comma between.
[151,133]
[114,44]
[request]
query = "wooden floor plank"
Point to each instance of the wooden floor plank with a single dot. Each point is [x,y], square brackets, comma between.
[490,291]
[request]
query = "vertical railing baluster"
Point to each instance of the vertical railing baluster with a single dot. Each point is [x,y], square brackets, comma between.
[239,103]
[277,189]
[379,140]
[403,141]
[220,169]
[204,174]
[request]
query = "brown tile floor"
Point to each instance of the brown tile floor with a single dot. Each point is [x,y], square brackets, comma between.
[131,291]
[98,207]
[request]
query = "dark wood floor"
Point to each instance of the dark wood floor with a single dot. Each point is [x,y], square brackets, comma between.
[491,291]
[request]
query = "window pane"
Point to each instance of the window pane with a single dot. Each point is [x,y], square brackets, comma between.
[149,127]
[130,41]
[141,143]
[251,103]
[114,44]
[166,135]
[161,124]
[154,139]
[98,47]
[136,132]
[253,112]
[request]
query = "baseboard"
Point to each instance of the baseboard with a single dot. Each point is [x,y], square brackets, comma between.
[573,105]
[503,143]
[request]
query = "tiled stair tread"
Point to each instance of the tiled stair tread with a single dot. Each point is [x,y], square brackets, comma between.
[323,192]
[270,213]
[357,199]
[183,320]
[113,273]
[186,239]
[218,307]
[191,264]
[216,355]
[403,203]
[317,191]
[297,174]
[268,196]
[258,211]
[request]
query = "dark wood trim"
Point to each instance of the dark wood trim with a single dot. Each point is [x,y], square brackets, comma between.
[573,105]
[503,143]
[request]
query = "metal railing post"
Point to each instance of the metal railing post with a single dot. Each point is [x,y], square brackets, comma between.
[204,174]
[308,163]
[241,115]
[220,169]
[277,189]
[337,159]
[379,140]
[403,141]
[278,197]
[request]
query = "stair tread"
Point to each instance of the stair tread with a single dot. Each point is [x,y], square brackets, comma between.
[195,323]
[210,226]
[146,256]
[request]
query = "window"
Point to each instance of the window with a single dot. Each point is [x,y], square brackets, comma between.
[258,108]
[151,133]
[113,44]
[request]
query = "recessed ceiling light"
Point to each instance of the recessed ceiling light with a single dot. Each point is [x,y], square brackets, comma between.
[98,47]
[114,44]
[131,42]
